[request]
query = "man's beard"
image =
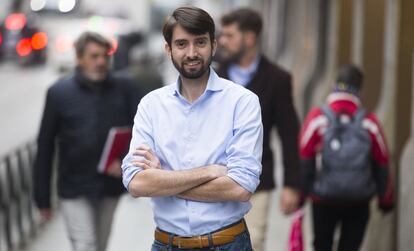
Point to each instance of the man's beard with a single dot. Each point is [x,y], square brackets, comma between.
[96,75]
[225,56]
[192,74]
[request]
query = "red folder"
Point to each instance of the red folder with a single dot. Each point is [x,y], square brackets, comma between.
[116,146]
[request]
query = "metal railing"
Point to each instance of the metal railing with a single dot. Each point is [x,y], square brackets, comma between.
[19,220]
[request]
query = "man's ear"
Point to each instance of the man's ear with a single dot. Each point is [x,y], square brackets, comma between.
[167,49]
[78,60]
[214,47]
[250,38]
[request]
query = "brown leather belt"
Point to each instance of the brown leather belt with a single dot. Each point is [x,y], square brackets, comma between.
[218,238]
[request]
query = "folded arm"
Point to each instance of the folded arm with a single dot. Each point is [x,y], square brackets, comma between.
[209,183]
[154,182]
[219,189]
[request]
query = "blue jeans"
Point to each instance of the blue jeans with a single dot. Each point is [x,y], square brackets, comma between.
[241,243]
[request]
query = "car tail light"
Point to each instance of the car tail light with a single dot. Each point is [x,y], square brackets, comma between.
[1,38]
[15,21]
[39,41]
[24,47]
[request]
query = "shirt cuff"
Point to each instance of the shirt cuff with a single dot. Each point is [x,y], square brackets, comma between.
[247,181]
[128,171]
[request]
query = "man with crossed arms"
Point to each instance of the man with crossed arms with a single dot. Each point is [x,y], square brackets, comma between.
[196,146]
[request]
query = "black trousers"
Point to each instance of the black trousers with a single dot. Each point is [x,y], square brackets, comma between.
[353,221]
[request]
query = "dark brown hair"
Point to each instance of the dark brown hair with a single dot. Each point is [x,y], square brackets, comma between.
[247,20]
[90,37]
[351,76]
[193,20]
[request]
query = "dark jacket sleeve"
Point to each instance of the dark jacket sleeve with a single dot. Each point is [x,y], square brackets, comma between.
[384,187]
[132,93]
[45,152]
[381,164]
[287,124]
[307,175]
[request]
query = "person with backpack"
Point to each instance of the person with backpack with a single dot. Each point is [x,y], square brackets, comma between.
[344,164]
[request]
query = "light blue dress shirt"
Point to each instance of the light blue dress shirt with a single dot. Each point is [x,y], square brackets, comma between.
[242,76]
[223,126]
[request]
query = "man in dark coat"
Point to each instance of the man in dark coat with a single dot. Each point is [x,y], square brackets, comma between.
[80,110]
[242,62]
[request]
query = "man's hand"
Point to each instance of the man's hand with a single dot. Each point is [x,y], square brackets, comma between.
[289,200]
[114,169]
[148,161]
[46,213]
[385,207]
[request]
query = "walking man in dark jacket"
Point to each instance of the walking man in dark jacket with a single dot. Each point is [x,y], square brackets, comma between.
[80,109]
[246,65]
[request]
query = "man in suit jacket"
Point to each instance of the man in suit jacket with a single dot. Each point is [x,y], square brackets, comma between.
[243,63]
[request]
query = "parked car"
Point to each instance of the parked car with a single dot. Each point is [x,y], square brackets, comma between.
[21,40]
[62,39]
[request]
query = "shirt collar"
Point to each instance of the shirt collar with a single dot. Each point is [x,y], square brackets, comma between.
[243,75]
[251,69]
[213,83]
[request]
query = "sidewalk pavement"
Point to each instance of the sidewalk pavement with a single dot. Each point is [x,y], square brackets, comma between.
[133,229]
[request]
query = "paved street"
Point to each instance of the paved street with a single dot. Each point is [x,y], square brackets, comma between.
[22,92]
[133,229]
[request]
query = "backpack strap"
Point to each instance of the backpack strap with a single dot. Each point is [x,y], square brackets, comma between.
[327,111]
[360,114]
